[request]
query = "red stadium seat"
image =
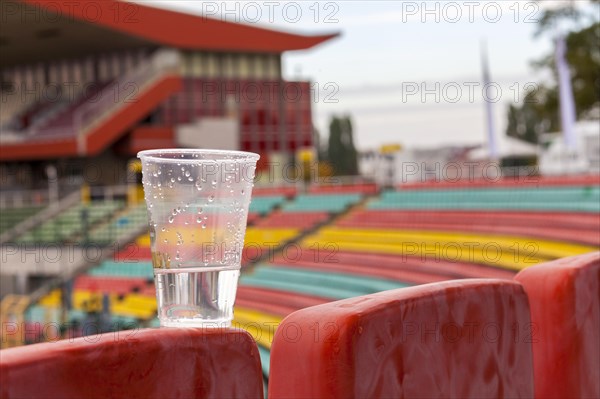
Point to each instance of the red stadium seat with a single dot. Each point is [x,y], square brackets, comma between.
[451,339]
[275,301]
[151,363]
[564,296]
[286,191]
[362,188]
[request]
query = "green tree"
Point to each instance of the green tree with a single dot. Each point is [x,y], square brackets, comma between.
[539,112]
[341,152]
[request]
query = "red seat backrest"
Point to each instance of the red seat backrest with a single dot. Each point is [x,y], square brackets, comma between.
[151,363]
[564,296]
[452,339]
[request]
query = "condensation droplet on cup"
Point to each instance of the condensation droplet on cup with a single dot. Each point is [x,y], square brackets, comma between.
[198,219]
[187,173]
[211,198]
[171,218]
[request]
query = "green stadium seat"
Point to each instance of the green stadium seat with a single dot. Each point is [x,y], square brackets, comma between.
[69,225]
[13,216]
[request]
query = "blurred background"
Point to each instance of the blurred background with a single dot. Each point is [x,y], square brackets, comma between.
[401,143]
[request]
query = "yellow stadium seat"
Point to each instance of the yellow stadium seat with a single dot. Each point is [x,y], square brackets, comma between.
[494,250]
[260,325]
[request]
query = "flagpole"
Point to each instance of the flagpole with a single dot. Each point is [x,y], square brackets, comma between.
[567,103]
[491,133]
[565,98]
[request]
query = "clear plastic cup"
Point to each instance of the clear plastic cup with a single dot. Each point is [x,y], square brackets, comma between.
[197,208]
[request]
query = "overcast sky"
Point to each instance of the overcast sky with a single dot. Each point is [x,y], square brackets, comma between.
[407,72]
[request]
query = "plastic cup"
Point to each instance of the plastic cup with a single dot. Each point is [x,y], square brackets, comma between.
[197,208]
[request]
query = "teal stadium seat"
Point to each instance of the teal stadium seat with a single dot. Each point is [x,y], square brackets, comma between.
[325,203]
[264,205]
[121,269]
[265,359]
[42,314]
[576,199]
[311,282]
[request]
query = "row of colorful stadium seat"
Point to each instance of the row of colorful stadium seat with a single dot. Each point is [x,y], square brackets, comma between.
[566,227]
[534,337]
[511,252]
[363,257]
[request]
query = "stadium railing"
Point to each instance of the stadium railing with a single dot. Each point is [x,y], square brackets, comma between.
[432,340]
[564,297]
[163,363]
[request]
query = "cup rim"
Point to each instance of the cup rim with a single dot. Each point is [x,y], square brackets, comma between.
[237,156]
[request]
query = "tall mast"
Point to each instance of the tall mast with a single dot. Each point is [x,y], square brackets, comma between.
[489,115]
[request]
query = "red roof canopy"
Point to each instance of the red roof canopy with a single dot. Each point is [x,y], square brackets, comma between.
[178,29]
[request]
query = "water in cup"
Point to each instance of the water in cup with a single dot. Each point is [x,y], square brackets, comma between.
[198,206]
[207,296]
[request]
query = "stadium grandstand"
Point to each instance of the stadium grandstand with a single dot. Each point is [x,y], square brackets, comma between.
[344,286]
[113,85]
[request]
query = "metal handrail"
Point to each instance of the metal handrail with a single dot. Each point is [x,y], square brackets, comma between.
[86,265]
[89,114]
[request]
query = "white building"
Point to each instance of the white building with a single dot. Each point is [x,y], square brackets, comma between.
[556,159]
